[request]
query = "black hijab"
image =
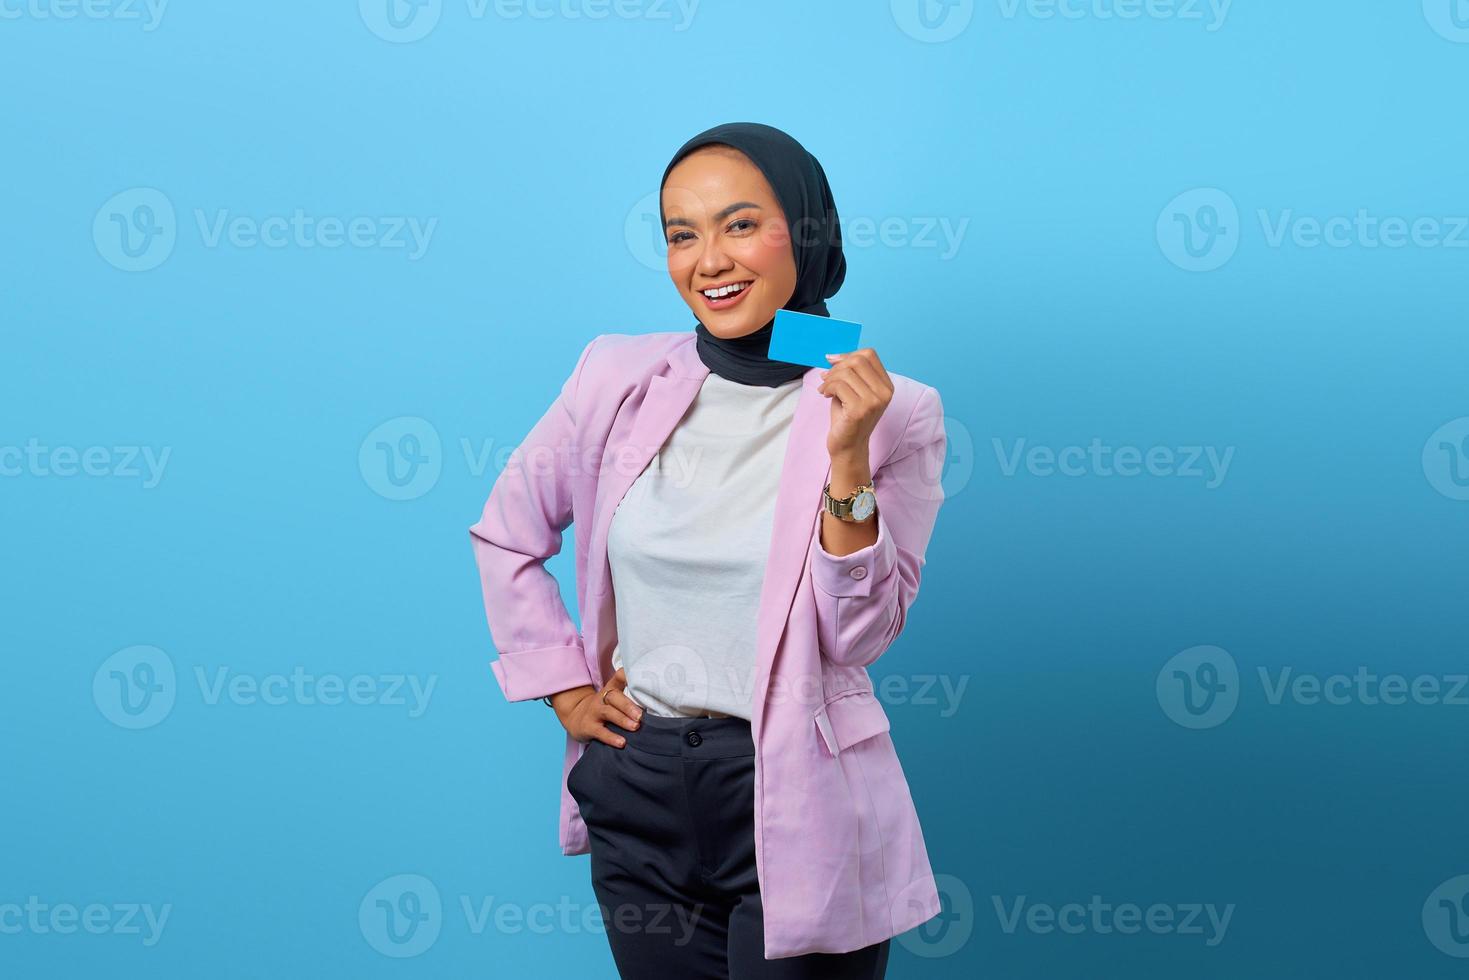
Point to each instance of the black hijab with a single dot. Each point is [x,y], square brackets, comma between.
[816,238]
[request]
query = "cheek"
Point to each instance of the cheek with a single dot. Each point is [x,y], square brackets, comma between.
[769,254]
[680,265]
[775,236]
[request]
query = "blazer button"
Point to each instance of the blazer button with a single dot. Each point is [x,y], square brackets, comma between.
[695,739]
[859,573]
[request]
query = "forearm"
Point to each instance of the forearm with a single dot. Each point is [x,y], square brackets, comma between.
[840,537]
[865,576]
[519,530]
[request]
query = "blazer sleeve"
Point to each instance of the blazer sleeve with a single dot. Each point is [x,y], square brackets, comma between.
[520,528]
[862,599]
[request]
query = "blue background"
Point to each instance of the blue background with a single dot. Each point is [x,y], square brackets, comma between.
[1334,542]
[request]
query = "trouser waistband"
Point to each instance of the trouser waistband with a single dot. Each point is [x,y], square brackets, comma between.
[694,738]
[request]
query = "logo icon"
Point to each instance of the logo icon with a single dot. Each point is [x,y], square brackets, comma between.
[1199,230]
[1199,687]
[136,230]
[1446,917]
[933,21]
[644,234]
[940,478]
[673,674]
[946,933]
[401,21]
[135,687]
[1446,459]
[1450,18]
[401,916]
[402,458]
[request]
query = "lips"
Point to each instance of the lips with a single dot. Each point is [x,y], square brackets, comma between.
[728,301]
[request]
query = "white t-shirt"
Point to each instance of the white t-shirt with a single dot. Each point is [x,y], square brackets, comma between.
[688,546]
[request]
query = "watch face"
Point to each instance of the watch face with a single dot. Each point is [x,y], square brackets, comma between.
[863,506]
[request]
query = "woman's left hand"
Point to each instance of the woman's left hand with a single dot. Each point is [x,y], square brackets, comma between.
[860,389]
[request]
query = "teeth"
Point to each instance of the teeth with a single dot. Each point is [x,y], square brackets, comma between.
[726,291]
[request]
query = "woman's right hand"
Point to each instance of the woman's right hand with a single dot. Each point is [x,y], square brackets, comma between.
[585,711]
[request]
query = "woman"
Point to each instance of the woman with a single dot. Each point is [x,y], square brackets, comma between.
[762,526]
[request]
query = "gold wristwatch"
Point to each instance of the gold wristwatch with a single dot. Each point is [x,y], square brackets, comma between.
[858,507]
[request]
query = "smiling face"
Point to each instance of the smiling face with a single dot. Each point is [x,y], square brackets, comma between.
[726,229]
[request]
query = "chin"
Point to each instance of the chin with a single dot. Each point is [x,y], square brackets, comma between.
[729,331]
[729,327]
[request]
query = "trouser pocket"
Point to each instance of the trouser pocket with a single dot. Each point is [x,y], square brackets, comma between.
[575,778]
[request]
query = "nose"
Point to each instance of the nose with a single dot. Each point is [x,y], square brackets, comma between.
[712,260]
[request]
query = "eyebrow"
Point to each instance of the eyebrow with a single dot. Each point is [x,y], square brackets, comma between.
[725,213]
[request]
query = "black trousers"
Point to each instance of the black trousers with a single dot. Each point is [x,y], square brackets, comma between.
[670,817]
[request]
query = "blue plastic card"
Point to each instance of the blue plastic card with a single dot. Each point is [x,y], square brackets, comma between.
[804,338]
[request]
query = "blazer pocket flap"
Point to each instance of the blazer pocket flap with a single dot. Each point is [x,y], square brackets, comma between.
[849,718]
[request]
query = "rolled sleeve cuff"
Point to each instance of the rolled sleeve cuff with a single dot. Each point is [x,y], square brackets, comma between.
[529,674]
[854,574]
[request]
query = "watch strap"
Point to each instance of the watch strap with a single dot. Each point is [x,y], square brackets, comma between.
[841,507]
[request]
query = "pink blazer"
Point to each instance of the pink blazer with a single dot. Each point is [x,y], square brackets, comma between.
[839,852]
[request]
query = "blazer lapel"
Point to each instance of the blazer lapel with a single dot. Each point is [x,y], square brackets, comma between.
[804,473]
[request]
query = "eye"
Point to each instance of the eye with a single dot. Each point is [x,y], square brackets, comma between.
[679,237]
[741,224]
